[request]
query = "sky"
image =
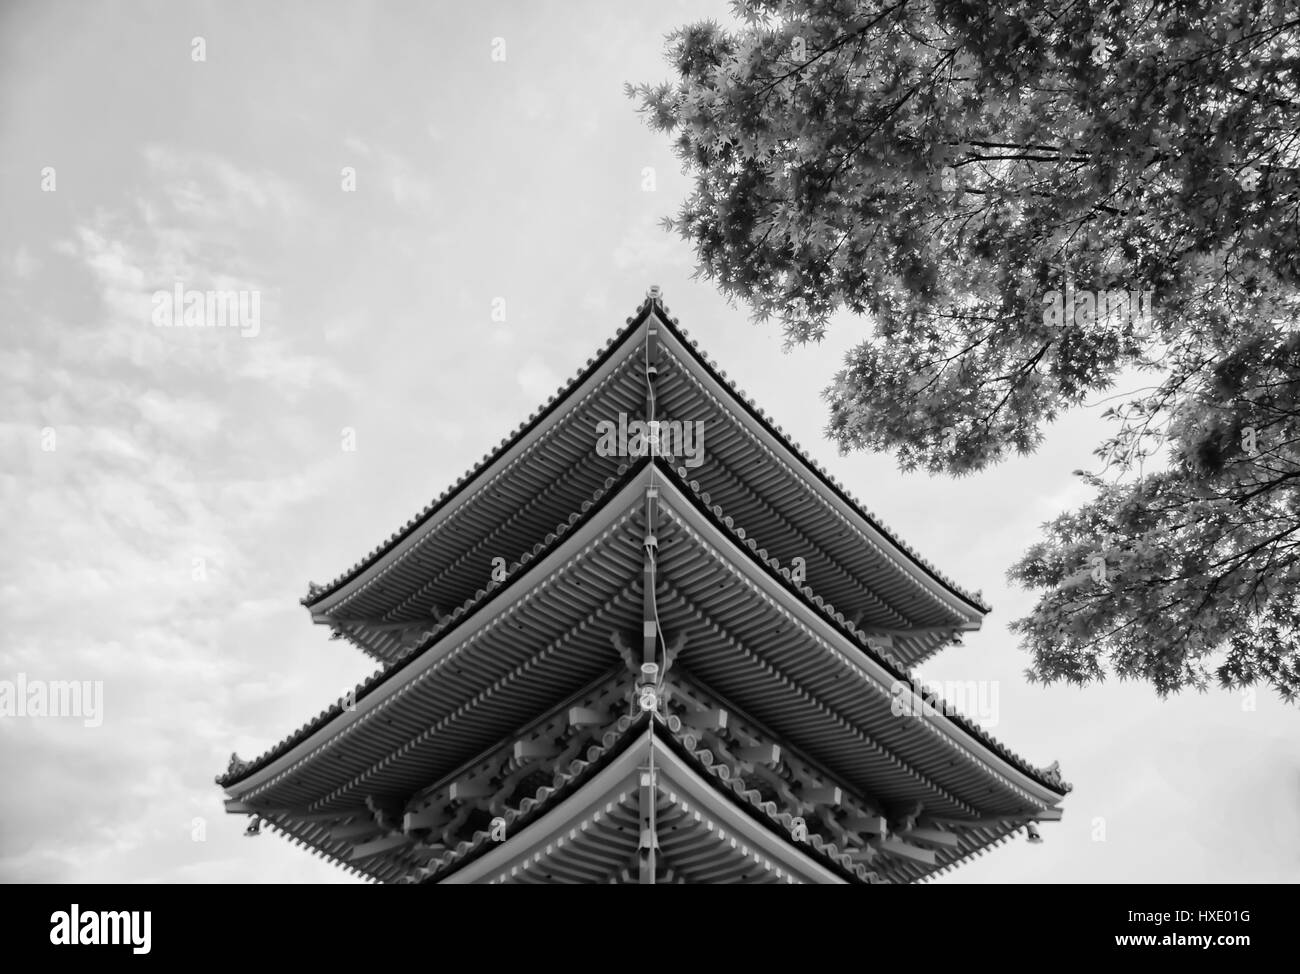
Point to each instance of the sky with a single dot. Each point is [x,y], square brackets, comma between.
[169,492]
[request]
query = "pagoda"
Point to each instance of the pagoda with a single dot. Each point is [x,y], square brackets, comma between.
[646,640]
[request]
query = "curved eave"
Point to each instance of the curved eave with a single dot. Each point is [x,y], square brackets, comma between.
[966,610]
[737,833]
[852,656]
[963,603]
[853,648]
[989,839]
[442,647]
[697,823]
[559,822]
[322,598]
[315,839]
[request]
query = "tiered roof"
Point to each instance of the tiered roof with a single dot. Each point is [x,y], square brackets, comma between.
[778,725]
[538,477]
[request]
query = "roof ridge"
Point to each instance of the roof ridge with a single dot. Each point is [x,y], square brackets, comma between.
[652,303]
[316,592]
[975,598]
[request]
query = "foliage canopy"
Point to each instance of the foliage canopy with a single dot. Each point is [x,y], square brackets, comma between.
[1031,201]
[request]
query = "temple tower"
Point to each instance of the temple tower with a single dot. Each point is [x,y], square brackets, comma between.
[646,640]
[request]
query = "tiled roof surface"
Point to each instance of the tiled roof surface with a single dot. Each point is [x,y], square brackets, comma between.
[885,659]
[318,592]
[845,494]
[1049,778]
[451,622]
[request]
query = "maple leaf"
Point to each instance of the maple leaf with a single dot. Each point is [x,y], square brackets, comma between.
[945,168]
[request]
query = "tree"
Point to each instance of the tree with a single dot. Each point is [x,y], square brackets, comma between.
[1033,201]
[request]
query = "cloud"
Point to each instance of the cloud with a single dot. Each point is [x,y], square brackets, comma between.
[210,187]
[23,265]
[391,172]
[649,248]
[136,542]
[537,380]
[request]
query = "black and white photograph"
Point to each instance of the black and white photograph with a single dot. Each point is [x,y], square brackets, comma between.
[704,442]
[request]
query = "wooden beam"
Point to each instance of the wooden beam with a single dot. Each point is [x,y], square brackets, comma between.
[539,748]
[874,824]
[829,795]
[1049,815]
[903,850]
[425,818]
[670,654]
[326,816]
[879,633]
[386,813]
[585,717]
[385,844]
[624,651]
[947,840]
[649,624]
[426,852]
[426,622]
[760,753]
[975,823]
[297,814]
[354,830]
[466,790]
[646,848]
[715,718]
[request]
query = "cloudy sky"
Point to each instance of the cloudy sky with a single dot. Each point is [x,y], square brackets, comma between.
[168,493]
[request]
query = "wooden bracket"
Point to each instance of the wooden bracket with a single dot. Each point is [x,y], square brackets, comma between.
[903,850]
[946,840]
[624,651]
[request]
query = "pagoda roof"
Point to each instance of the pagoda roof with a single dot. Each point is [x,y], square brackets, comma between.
[591,806]
[473,680]
[585,827]
[713,826]
[538,475]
